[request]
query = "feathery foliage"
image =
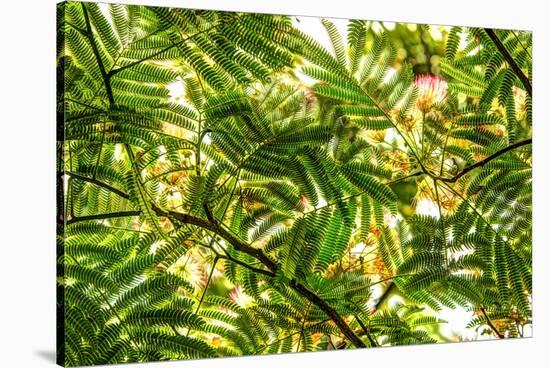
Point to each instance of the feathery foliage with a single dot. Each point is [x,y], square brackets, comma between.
[229,185]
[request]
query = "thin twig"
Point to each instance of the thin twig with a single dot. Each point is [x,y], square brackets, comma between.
[102,216]
[366,331]
[515,67]
[490,323]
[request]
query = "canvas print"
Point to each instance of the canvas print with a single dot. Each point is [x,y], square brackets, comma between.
[233,184]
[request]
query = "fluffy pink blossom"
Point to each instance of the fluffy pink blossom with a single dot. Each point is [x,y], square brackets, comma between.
[237,295]
[431,90]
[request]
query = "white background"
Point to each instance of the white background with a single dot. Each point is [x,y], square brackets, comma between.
[27,164]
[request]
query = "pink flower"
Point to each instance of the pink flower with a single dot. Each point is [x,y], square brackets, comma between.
[431,90]
[238,296]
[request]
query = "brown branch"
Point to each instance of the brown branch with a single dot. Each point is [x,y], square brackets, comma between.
[329,311]
[482,162]
[98,183]
[215,228]
[515,67]
[490,323]
[238,245]
[184,218]
[272,266]
[471,167]
[102,216]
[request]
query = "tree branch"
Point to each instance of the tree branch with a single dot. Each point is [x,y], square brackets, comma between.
[329,311]
[98,183]
[272,266]
[474,166]
[238,245]
[102,216]
[515,67]
[482,162]
[217,229]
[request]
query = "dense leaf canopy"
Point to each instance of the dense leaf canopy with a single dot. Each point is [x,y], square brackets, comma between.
[230,185]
